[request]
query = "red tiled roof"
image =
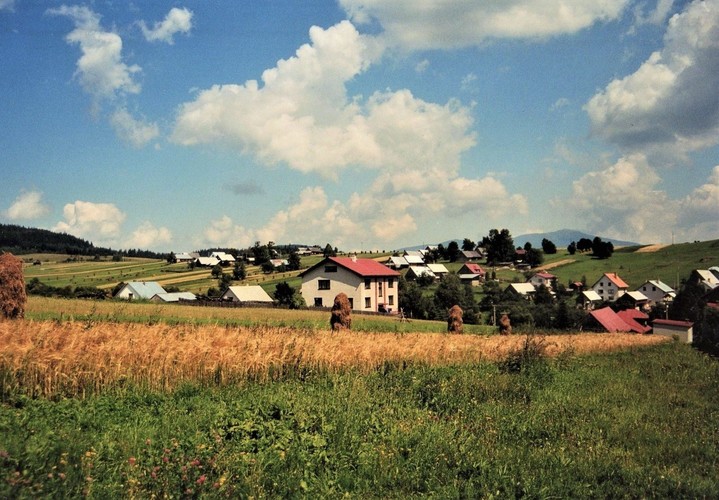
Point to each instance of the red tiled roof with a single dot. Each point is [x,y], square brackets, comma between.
[474,268]
[630,317]
[614,278]
[610,320]
[545,275]
[673,322]
[361,267]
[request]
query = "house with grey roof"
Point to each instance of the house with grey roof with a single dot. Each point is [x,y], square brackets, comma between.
[139,290]
[253,294]
[657,291]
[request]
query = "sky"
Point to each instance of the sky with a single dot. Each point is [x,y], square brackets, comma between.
[366,124]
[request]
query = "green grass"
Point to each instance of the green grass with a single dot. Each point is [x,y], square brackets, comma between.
[636,424]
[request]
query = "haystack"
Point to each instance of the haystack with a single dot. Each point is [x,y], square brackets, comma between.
[505,327]
[12,287]
[341,317]
[454,321]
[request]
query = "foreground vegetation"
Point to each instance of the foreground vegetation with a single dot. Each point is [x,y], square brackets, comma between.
[638,423]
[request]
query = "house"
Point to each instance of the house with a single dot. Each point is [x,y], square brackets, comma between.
[589,299]
[632,300]
[139,290]
[414,257]
[657,292]
[173,297]
[705,278]
[207,261]
[367,283]
[543,278]
[415,272]
[224,259]
[396,262]
[471,274]
[439,270]
[524,290]
[610,287]
[185,257]
[468,256]
[277,263]
[636,319]
[253,294]
[605,319]
[684,330]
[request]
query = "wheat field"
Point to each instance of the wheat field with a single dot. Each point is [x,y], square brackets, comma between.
[51,358]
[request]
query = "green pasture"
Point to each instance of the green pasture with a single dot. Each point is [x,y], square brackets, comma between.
[636,424]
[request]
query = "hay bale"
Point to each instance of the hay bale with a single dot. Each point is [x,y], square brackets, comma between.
[505,327]
[12,287]
[454,321]
[341,317]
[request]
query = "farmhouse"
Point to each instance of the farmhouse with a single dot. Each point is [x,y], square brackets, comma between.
[367,283]
[415,272]
[610,287]
[414,257]
[439,270]
[223,258]
[589,299]
[396,262]
[668,327]
[139,290]
[525,290]
[543,278]
[705,278]
[606,320]
[632,300]
[471,273]
[252,294]
[173,297]
[468,256]
[657,291]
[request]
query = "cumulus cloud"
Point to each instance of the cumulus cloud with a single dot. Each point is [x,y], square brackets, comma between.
[223,232]
[100,69]
[303,117]
[702,205]
[97,222]
[624,201]
[27,206]
[426,24]
[135,132]
[176,21]
[670,104]
[147,236]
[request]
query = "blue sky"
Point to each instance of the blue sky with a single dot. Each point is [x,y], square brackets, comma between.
[363,123]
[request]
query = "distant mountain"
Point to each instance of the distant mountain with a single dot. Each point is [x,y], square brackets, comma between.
[564,237]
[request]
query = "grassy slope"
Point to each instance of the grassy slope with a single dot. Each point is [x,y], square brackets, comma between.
[642,423]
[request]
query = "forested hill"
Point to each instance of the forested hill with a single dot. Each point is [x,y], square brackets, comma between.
[22,240]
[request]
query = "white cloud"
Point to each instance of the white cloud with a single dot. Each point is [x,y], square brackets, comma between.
[223,232]
[176,21]
[97,222]
[670,104]
[623,201]
[422,66]
[428,24]
[656,16]
[702,205]
[7,5]
[100,69]
[135,132]
[303,117]
[27,206]
[147,236]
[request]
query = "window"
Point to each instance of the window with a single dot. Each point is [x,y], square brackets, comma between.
[390,283]
[352,302]
[379,286]
[330,269]
[367,302]
[367,283]
[390,300]
[323,284]
[318,301]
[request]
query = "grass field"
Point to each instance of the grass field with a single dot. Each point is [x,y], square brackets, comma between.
[106,408]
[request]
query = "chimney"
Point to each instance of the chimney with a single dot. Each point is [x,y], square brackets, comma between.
[354,257]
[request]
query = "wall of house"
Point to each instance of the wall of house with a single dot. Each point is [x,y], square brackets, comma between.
[683,334]
[379,291]
[607,290]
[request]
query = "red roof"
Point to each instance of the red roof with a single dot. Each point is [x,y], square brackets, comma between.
[545,275]
[673,322]
[361,267]
[614,278]
[630,317]
[610,320]
[474,268]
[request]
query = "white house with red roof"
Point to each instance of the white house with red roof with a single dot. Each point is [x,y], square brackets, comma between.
[610,287]
[543,278]
[471,273]
[368,284]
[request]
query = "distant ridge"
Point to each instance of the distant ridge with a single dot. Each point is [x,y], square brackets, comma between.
[560,238]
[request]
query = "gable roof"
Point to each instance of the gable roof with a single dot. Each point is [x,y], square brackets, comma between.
[473,268]
[420,271]
[471,254]
[143,289]
[592,296]
[249,293]
[173,297]
[614,278]
[521,288]
[365,268]
[659,284]
[610,320]
[545,275]
[437,268]
[630,317]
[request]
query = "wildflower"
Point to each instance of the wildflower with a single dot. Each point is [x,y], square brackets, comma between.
[201,480]
[132,461]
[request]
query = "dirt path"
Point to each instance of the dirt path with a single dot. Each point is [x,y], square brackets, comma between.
[558,263]
[652,248]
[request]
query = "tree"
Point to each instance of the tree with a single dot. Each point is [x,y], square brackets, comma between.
[329,251]
[287,295]
[239,272]
[499,245]
[602,249]
[584,245]
[441,251]
[548,247]
[216,271]
[412,301]
[452,292]
[171,258]
[452,251]
[572,248]
[468,245]
[534,257]
[267,267]
[261,253]
[293,261]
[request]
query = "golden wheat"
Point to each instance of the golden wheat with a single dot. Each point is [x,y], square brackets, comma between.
[76,358]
